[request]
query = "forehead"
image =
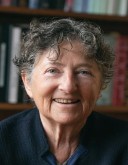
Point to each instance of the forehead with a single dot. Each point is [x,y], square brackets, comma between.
[66,49]
[70,54]
[74,51]
[74,45]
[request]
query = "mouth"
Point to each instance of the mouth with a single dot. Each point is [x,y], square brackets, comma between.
[67,101]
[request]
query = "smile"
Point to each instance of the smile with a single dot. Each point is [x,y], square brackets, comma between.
[66,101]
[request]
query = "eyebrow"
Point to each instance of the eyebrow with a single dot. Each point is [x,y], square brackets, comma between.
[89,65]
[85,65]
[56,63]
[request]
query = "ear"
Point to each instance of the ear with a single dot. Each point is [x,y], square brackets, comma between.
[99,95]
[100,92]
[27,84]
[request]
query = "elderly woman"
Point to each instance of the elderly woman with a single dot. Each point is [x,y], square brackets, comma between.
[64,65]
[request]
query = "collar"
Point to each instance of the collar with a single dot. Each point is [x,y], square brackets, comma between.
[40,140]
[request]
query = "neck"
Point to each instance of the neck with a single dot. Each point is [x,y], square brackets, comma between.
[63,139]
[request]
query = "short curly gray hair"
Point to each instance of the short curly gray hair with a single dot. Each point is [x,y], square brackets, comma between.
[46,35]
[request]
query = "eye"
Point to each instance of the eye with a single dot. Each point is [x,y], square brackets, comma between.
[84,73]
[52,70]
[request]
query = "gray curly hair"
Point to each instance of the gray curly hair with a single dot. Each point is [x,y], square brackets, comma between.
[46,35]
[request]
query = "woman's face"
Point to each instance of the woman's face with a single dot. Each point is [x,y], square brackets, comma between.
[65,90]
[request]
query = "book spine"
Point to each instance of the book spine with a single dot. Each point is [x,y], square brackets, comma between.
[103,6]
[3,61]
[56,4]
[14,2]
[22,3]
[45,4]
[5,2]
[13,77]
[90,8]
[123,8]
[85,6]
[68,5]
[126,85]
[77,6]
[121,49]
[106,94]
[33,4]
[96,6]
[111,7]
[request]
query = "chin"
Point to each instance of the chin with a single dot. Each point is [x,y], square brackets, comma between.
[67,119]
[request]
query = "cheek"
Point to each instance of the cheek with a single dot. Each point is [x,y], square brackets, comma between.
[41,85]
[43,92]
[90,91]
[89,96]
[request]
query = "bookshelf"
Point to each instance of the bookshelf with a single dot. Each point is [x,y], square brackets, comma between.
[7,109]
[24,15]
[108,23]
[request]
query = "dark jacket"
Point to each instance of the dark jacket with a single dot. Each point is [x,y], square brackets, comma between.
[23,141]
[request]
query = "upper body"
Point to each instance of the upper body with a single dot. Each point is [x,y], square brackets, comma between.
[64,65]
[23,141]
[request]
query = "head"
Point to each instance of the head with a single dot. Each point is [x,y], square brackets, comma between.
[64,65]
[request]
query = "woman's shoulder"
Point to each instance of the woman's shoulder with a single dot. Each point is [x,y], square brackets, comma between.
[107,119]
[18,120]
[107,126]
[106,139]
[21,138]
[107,132]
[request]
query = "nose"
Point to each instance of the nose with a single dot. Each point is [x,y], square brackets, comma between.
[68,83]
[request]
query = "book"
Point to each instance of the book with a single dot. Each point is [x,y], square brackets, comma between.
[4,33]
[5,2]
[45,4]
[90,7]
[68,5]
[111,8]
[22,3]
[56,4]
[77,6]
[106,94]
[123,6]
[114,7]
[96,6]
[2,63]
[119,78]
[14,2]
[126,86]
[2,70]
[13,77]
[85,6]
[103,6]
[33,4]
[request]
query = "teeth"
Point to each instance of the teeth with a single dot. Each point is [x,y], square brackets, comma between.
[65,101]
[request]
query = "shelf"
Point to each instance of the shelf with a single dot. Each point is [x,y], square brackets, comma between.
[25,15]
[61,13]
[108,23]
[14,107]
[120,112]
[104,109]
[112,109]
